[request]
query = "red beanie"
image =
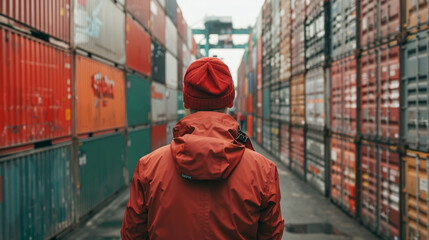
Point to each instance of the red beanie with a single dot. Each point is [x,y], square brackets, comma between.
[208,85]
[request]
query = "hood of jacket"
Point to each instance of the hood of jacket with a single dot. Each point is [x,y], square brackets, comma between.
[204,146]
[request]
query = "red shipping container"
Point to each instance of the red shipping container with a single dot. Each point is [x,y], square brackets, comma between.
[380,188]
[259,77]
[157,21]
[138,48]
[249,104]
[380,21]
[343,173]
[259,130]
[180,21]
[35,90]
[344,96]
[100,96]
[297,150]
[159,136]
[380,93]
[49,17]
[140,9]
[284,143]
[298,39]
[259,51]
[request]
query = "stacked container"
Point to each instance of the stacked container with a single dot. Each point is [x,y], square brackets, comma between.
[78,103]
[317,55]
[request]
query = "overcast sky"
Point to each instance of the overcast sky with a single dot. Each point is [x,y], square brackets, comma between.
[243,13]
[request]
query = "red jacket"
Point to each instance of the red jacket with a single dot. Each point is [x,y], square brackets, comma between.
[204,185]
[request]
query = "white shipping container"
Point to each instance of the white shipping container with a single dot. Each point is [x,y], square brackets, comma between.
[158,103]
[170,36]
[315,98]
[190,37]
[186,55]
[171,101]
[171,71]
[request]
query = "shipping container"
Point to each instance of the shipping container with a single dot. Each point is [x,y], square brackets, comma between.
[298,37]
[259,97]
[285,143]
[163,3]
[416,15]
[169,130]
[259,130]
[102,170]
[274,102]
[285,19]
[93,24]
[266,135]
[171,71]
[180,106]
[140,9]
[297,146]
[259,76]
[316,159]
[343,27]
[36,200]
[171,102]
[416,218]
[380,22]
[158,136]
[47,17]
[266,100]
[158,103]
[344,96]
[36,90]
[297,100]
[171,36]
[158,62]
[380,189]
[157,21]
[249,104]
[343,173]
[380,93]
[284,101]
[138,145]
[138,48]
[100,96]
[180,21]
[317,33]
[315,98]
[138,100]
[171,10]
[414,93]
[285,59]
[275,138]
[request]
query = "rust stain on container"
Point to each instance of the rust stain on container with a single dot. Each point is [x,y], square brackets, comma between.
[35,81]
[49,17]
[100,92]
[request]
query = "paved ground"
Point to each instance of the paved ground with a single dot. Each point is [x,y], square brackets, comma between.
[302,207]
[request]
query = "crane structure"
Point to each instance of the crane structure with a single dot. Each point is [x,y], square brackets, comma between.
[221,26]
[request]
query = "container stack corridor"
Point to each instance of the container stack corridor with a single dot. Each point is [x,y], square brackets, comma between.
[334,92]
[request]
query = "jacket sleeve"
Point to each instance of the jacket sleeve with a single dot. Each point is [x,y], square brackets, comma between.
[134,225]
[271,223]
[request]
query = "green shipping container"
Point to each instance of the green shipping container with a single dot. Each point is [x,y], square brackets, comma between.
[266,103]
[138,100]
[138,146]
[36,193]
[101,170]
[180,107]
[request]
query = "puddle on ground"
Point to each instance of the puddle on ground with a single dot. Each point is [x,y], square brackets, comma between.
[314,228]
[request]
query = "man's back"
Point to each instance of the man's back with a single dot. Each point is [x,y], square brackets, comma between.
[205,185]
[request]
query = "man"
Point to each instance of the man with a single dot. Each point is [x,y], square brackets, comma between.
[206,184]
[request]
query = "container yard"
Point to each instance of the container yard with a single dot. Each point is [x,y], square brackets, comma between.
[334,92]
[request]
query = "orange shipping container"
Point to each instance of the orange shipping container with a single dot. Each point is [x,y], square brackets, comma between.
[298,100]
[417,194]
[100,92]
[416,15]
